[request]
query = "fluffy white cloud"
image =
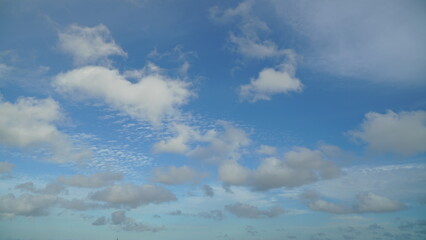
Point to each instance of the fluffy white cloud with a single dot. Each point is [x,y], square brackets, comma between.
[249,211]
[299,167]
[177,175]
[214,146]
[88,45]
[151,98]
[178,144]
[130,195]
[6,167]
[26,205]
[271,82]
[402,133]
[91,181]
[30,122]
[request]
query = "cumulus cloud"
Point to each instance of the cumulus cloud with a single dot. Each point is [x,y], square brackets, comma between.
[378,46]
[365,203]
[151,98]
[177,175]
[402,133]
[266,150]
[370,202]
[95,180]
[89,45]
[77,204]
[271,82]
[118,217]
[31,122]
[51,188]
[214,146]
[6,167]
[26,205]
[248,211]
[129,195]
[299,167]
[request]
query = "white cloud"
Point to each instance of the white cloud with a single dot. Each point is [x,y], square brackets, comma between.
[378,46]
[130,195]
[271,82]
[30,122]
[6,167]
[151,98]
[91,181]
[177,175]
[365,203]
[267,150]
[402,133]
[26,205]
[299,167]
[51,188]
[370,202]
[214,146]
[249,211]
[178,144]
[233,173]
[89,45]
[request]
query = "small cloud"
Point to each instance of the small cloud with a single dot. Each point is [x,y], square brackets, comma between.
[266,150]
[401,133]
[89,45]
[26,205]
[248,211]
[100,221]
[6,167]
[129,195]
[208,191]
[177,175]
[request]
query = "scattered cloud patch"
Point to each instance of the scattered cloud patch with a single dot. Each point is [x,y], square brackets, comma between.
[6,167]
[31,122]
[51,188]
[151,98]
[208,191]
[266,150]
[248,211]
[89,45]
[271,82]
[401,133]
[26,205]
[132,196]
[177,175]
[100,221]
[299,167]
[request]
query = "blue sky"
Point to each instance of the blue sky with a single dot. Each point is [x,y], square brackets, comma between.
[252,119]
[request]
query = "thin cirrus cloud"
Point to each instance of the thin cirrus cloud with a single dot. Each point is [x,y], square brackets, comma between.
[384,43]
[30,122]
[89,45]
[402,133]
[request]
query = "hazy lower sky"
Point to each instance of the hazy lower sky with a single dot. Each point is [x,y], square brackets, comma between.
[187,119]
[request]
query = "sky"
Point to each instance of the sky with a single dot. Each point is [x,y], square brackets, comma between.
[215,119]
